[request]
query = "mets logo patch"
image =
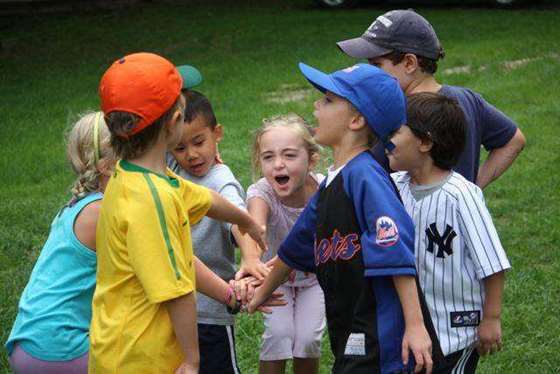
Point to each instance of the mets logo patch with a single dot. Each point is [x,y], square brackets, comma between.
[387,233]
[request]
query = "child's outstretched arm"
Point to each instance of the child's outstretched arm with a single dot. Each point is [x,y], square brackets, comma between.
[182,312]
[250,253]
[211,285]
[416,338]
[251,263]
[223,210]
[490,328]
[275,278]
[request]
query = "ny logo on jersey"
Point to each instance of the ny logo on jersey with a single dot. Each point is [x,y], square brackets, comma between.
[337,247]
[443,242]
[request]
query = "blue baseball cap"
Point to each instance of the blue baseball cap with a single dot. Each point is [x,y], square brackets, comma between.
[374,93]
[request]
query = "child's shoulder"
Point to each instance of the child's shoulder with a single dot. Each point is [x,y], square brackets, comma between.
[461,189]
[221,174]
[259,188]
[364,166]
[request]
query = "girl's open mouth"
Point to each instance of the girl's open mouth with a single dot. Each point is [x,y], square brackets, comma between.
[282,179]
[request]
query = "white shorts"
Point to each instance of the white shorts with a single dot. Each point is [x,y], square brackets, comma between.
[295,329]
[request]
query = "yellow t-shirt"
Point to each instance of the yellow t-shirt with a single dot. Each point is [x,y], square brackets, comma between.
[144,257]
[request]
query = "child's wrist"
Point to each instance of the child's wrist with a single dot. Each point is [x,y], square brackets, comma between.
[232,304]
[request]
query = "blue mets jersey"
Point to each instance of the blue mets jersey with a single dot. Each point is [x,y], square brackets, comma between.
[355,235]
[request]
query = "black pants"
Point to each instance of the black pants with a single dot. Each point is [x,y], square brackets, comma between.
[217,349]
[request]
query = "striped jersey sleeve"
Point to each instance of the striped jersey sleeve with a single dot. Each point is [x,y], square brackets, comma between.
[477,227]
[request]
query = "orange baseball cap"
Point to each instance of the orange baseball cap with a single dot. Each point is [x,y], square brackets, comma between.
[144,84]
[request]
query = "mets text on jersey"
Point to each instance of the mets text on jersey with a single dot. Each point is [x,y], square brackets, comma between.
[337,247]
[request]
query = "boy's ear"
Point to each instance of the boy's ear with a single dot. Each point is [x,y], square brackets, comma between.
[218,132]
[358,122]
[410,63]
[426,145]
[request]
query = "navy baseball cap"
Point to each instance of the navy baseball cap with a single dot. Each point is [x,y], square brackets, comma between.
[374,93]
[191,76]
[397,30]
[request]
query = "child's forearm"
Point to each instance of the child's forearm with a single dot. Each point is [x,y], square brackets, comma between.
[210,284]
[494,289]
[182,312]
[223,210]
[408,295]
[275,278]
[247,246]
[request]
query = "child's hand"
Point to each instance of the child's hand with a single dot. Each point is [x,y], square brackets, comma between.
[186,368]
[256,232]
[417,340]
[489,336]
[241,288]
[254,267]
[256,302]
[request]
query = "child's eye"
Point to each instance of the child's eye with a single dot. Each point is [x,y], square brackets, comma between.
[180,148]
[198,143]
[291,155]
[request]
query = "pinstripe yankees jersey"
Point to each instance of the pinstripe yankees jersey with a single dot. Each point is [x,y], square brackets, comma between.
[456,247]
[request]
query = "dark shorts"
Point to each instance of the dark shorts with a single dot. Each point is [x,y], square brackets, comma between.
[460,362]
[217,349]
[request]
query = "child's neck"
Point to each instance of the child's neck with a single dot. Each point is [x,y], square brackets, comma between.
[423,83]
[428,173]
[153,159]
[345,152]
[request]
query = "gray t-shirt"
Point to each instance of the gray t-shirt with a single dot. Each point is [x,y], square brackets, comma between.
[281,219]
[420,191]
[212,240]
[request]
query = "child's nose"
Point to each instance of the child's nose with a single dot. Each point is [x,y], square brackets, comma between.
[191,154]
[278,162]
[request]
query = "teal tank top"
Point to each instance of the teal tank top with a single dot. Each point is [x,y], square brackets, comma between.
[54,311]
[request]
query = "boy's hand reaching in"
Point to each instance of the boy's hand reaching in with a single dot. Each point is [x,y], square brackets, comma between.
[489,336]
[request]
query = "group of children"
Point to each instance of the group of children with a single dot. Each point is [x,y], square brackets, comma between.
[405,270]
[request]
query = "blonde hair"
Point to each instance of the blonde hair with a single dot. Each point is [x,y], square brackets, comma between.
[288,121]
[87,143]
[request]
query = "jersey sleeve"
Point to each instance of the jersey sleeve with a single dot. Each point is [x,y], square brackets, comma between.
[497,129]
[155,249]
[297,250]
[387,237]
[480,235]
[197,200]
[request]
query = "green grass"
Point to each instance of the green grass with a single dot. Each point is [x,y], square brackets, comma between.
[50,67]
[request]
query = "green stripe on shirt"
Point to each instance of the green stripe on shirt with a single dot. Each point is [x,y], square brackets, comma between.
[162,223]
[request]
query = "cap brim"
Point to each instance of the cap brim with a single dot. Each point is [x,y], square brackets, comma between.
[361,48]
[191,76]
[320,80]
